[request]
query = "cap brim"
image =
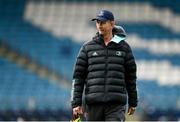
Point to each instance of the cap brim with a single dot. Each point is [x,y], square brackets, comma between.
[93,19]
[99,18]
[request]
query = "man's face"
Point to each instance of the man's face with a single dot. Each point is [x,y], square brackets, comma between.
[104,27]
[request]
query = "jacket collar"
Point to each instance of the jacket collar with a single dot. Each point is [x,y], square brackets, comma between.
[98,38]
[116,38]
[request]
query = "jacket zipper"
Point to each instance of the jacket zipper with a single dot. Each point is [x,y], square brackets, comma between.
[106,64]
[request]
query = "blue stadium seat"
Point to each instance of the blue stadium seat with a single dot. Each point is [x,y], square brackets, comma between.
[21,87]
[24,94]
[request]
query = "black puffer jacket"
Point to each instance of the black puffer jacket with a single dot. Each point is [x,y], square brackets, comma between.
[108,72]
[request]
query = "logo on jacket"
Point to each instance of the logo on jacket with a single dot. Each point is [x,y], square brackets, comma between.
[118,53]
[95,54]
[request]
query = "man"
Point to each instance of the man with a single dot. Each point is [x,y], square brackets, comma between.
[107,69]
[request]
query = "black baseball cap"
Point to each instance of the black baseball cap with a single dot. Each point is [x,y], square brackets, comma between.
[104,15]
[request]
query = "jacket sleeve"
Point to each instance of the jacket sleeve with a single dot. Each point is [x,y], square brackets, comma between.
[130,77]
[79,77]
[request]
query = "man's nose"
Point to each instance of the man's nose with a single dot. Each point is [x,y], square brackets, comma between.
[100,24]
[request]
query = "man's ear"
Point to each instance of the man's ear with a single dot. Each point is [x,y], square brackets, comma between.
[112,23]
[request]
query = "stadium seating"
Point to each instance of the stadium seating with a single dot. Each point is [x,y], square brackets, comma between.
[19,87]
[51,33]
[21,90]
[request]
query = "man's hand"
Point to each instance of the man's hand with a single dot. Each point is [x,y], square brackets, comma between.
[77,111]
[131,110]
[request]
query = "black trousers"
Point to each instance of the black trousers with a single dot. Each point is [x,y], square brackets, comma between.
[106,112]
